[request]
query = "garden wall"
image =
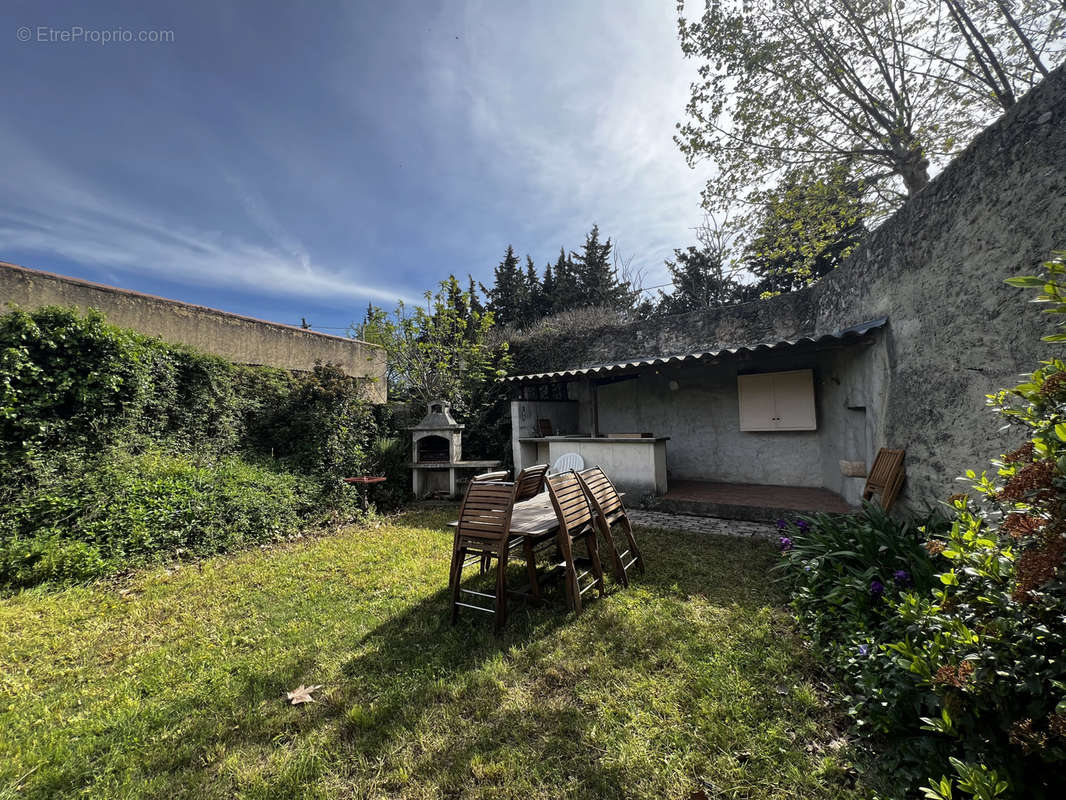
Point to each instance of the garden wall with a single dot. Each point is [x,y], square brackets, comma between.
[245,340]
[936,270]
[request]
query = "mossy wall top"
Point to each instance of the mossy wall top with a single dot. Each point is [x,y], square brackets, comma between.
[244,340]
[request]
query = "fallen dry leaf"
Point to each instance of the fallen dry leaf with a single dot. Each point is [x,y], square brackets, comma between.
[302,694]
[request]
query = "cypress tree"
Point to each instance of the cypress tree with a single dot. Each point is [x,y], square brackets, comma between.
[598,283]
[506,297]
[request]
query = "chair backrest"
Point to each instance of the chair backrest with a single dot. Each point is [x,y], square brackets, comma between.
[501,475]
[886,477]
[601,491]
[530,482]
[567,462]
[486,510]
[571,506]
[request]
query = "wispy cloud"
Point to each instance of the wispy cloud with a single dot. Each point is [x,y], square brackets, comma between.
[579,115]
[51,210]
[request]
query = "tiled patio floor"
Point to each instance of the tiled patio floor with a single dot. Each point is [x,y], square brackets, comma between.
[747,500]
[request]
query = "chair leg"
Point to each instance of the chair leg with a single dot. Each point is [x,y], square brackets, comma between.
[500,617]
[617,567]
[531,568]
[572,588]
[594,556]
[458,555]
[633,549]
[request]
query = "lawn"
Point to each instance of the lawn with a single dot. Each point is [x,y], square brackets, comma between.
[171,683]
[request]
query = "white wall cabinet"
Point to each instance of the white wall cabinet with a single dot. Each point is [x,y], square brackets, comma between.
[777,401]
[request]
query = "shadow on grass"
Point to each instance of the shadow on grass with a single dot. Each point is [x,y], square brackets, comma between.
[415,671]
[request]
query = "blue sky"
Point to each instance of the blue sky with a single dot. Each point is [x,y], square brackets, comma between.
[289,161]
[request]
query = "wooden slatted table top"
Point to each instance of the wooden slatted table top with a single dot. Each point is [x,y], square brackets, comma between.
[533,517]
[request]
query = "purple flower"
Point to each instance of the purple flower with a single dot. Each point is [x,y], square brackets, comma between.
[781,524]
[876,588]
[784,543]
[803,524]
[864,649]
[902,578]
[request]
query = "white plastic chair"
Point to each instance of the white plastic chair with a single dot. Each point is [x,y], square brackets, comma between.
[567,462]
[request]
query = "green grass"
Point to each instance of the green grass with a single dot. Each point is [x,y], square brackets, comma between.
[171,685]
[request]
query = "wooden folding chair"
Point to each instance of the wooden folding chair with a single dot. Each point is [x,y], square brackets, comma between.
[886,477]
[609,511]
[483,530]
[575,524]
[530,482]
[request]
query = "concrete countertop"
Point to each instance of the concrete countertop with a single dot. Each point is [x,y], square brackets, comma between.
[596,439]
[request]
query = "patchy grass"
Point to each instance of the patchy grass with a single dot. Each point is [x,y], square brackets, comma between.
[173,685]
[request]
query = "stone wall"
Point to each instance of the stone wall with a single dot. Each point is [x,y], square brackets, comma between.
[936,270]
[241,339]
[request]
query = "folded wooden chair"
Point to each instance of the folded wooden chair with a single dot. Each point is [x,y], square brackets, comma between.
[609,511]
[483,530]
[501,475]
[530,482]
[886,477]
[575,524]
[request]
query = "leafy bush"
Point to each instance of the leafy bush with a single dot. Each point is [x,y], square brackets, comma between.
[116,447]
[970,672]
[845,573]
[128,510]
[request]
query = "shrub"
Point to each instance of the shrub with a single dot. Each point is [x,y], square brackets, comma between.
[845,573]
[970,672]
[116,448]
[128,510]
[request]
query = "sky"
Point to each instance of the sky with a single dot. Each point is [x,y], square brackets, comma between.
[292,161]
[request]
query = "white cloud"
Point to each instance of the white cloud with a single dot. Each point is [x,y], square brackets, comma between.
[577,106]
[52,211]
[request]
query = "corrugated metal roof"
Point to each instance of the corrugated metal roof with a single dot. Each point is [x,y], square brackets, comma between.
[854,332]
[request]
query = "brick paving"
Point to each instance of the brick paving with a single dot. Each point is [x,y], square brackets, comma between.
[684,522]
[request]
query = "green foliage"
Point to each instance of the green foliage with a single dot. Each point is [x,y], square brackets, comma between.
[845,573]
[886,88]
[444,351]
[440,351]
[971,671]
[124,510]
[701,280]
[65,382]
[806,227]
[117,448]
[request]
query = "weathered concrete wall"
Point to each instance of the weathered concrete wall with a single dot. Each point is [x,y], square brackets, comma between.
[701,417]
[244,340]
[936,270]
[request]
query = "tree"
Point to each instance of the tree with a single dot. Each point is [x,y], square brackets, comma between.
[567,293]
[1003,47]
[702,275]
[806,227]
[439,351]
[598,282]
[547,290]
[807,84]
[507,297]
